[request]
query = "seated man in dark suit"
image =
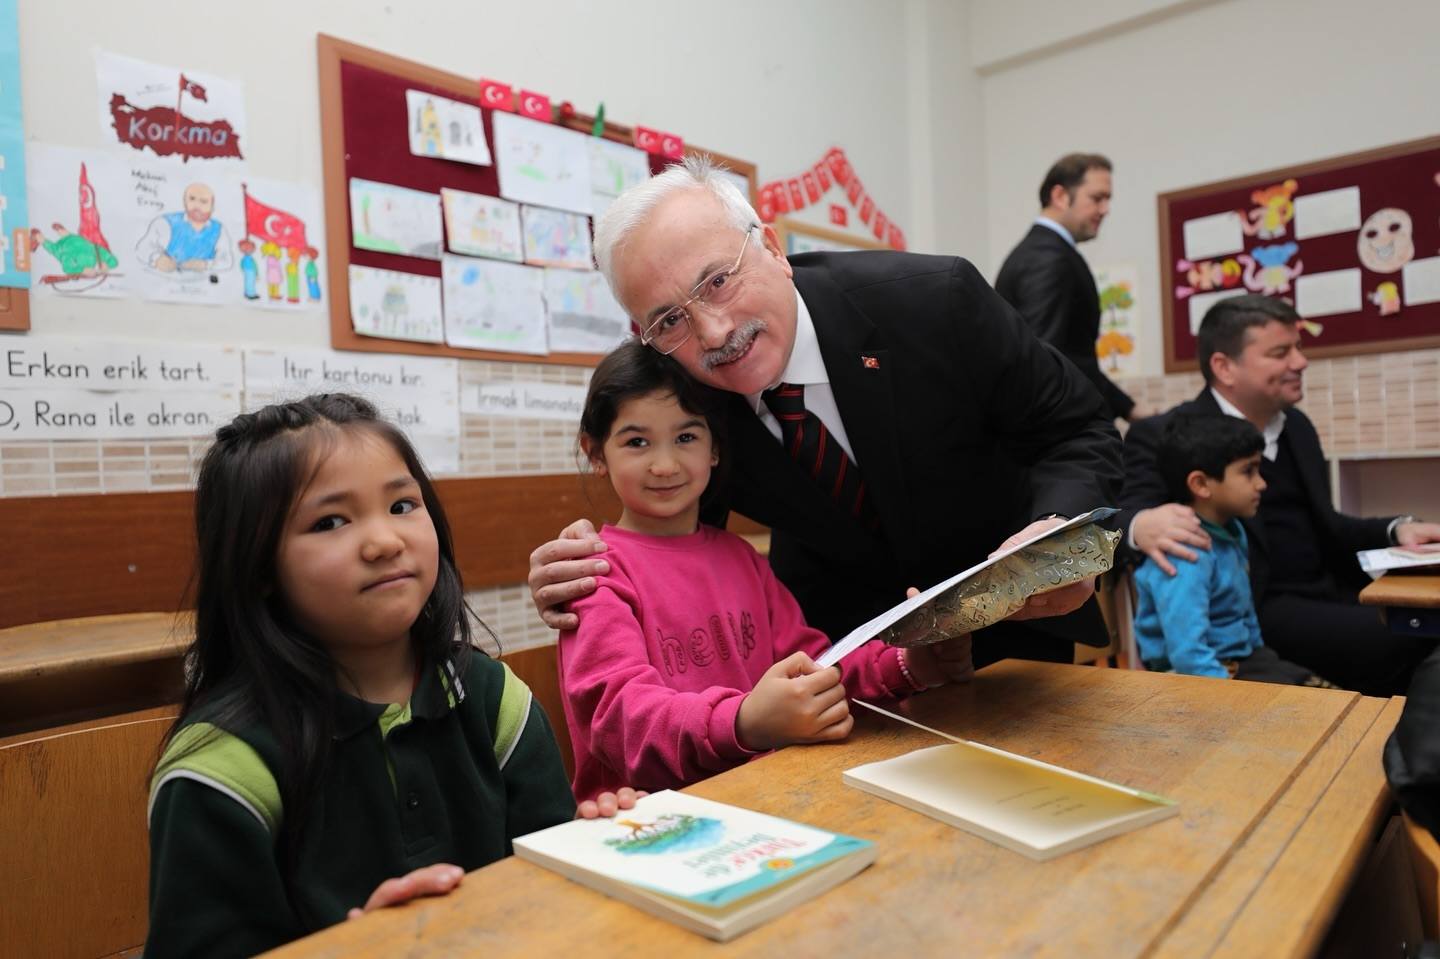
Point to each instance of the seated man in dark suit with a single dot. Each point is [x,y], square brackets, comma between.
[1303,571]
[1049,283]
[890,418]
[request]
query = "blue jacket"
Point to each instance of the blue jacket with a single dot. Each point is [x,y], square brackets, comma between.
[1203,615]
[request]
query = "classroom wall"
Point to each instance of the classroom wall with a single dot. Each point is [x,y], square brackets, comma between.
[775,84]
[1210,92]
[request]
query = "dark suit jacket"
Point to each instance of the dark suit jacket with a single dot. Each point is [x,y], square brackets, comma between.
[1340,535]
[1050,284]
[965,428]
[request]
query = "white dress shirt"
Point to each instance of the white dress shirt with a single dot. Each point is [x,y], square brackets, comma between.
[1272,430]
[1048,223]
[806,368]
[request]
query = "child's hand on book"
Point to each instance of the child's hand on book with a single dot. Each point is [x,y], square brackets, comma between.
[608,804]
[796,701]
[434,880]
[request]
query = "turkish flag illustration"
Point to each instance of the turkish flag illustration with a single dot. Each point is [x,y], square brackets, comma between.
[497,96]
[812,186]
[838,215]
[648,139]
[265,222]
[89,212]
[880,222]
[822,176]
[536,106]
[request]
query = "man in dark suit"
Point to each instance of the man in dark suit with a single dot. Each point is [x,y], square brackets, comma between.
[1047,280]
[1303,571]
[967,432]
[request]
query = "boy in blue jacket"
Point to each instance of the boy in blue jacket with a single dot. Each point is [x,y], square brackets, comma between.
[1202,620]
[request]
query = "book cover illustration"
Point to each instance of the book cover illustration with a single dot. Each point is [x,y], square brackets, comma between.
[702,852]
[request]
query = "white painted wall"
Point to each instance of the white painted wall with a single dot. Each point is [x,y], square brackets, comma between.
[774,83]
[1212,92]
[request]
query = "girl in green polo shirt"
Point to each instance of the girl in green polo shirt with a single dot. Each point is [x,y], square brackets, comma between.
[341,745]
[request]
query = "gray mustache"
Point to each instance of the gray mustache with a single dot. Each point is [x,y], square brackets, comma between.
[735,344]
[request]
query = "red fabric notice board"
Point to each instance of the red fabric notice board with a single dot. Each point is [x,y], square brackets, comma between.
[1353,242]
[362,110]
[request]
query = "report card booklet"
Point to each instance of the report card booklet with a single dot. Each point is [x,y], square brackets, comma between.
[1032,807]
[712,868]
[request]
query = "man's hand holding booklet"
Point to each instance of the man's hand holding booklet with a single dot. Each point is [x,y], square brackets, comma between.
[984,594]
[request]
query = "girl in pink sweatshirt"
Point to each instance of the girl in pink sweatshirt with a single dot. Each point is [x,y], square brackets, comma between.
[690,656]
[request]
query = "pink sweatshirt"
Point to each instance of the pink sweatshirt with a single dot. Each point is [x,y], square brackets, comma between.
[669,644]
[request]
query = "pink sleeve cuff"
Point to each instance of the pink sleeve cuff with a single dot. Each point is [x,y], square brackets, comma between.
[722,733]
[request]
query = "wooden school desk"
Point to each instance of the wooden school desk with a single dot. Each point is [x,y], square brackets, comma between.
[1411,602]
[1281,795]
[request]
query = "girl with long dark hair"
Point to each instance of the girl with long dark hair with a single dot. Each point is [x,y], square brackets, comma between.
[341,745]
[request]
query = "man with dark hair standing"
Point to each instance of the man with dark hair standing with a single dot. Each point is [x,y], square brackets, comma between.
[1303,571]
[1049,283]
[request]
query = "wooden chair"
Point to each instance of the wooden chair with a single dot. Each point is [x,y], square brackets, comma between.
[1425,862]
[539,670]
[74,843]
[1115,595]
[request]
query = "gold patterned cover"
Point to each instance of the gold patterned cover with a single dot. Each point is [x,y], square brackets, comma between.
[999,590]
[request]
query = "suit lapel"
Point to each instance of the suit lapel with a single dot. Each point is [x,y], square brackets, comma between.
[860,372]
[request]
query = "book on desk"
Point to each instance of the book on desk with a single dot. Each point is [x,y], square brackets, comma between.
[715,869]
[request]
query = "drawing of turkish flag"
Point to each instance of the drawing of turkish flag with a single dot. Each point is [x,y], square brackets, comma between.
[267,223]
[672,147]
[536,106]
[822,176]
[647,139]
[497,96]
[853,191]
[797,195]
[839,166]
[767,207]
[89,212]
[880,222]
[867,209]
[838,216]
[812,186]
[779,197]
[192,88]
[897,237]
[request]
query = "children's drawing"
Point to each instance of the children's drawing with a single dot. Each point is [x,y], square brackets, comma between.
[14,215]
[70,252]
[446,129]
[1119,317]
[614,168]
[478,225]
[1266,269]
[277,216]
[168,111]
[392,219]
[190,240]
[581,314]
[1387,297]
[401,306]
[1206,275]
[85,258]
[542,163]
[553,238]
[1274,209]
[490,305]
[1387,241]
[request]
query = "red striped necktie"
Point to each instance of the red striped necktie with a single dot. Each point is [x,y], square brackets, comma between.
[818,454]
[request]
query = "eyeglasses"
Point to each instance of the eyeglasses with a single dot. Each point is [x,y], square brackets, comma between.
[717,291]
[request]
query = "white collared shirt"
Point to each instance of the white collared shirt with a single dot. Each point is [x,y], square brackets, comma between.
[806,368]
[1272,430]
[1050,224]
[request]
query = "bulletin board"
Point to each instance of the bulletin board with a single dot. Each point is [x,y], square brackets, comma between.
[796,237]
[1353,242]
[363,124]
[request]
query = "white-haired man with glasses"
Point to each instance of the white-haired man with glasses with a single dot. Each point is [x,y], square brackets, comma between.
[893,420]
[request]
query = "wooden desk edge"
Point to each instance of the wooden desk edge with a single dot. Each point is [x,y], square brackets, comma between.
[1419,590]
[1361,769]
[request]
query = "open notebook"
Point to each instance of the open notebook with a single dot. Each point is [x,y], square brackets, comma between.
[709,867]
